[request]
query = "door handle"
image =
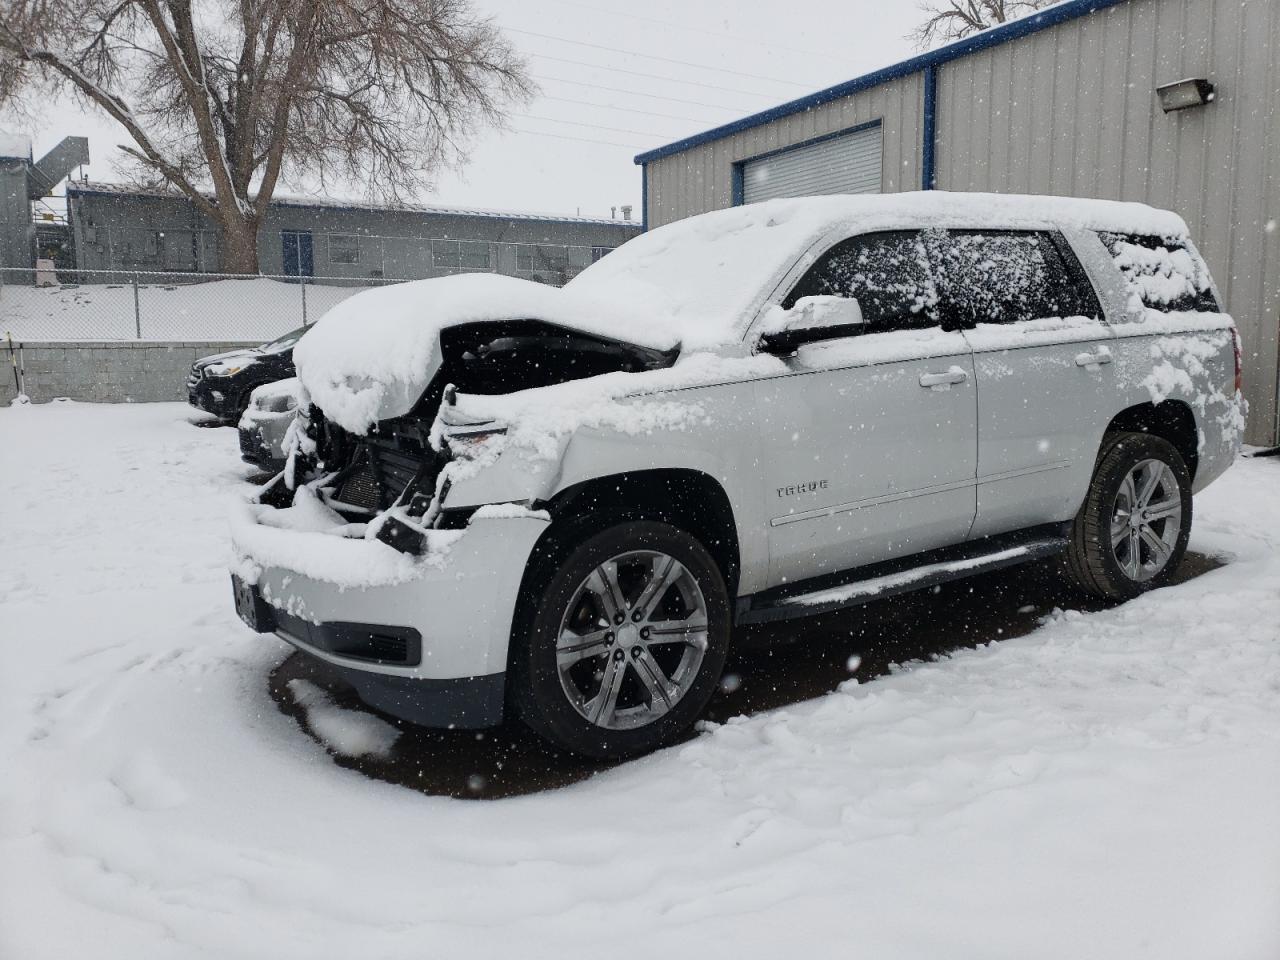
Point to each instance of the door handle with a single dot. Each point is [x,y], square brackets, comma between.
[1096,359]
[943,381]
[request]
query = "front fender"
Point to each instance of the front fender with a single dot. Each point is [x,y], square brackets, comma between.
[719,440]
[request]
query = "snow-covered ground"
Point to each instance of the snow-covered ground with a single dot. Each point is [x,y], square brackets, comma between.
[1107,785]
[242,309]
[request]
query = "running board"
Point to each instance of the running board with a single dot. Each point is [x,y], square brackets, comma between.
[886,581]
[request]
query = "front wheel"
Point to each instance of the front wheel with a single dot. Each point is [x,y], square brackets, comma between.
[626,644]
[1132,531]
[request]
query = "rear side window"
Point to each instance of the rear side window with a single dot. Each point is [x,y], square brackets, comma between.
[1003,276]
[887,272]
[1162,273]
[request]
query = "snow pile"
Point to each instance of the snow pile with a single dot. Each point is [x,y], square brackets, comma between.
[371,357]
[348,733]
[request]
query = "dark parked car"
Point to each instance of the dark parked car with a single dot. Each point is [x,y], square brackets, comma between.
[221,384]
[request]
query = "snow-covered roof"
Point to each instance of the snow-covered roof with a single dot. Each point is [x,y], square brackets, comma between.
[15,145]
[90,188]
[710,274]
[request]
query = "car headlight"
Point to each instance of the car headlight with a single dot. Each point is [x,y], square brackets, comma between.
[222,371]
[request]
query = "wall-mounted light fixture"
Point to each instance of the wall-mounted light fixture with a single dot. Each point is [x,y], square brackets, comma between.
[1192,92]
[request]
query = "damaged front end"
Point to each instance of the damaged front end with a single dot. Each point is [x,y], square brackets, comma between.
[353,553]
[392,482]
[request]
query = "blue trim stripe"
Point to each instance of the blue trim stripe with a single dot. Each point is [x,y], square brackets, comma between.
[928,149]
[1050,17]
[644,198]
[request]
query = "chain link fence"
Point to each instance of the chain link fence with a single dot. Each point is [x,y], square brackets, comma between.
[121,305]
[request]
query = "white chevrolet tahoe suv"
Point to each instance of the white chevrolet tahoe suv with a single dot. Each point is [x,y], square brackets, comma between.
[504,499]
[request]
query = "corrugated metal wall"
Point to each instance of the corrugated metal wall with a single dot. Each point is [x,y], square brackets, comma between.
[701,179]
[1072,110]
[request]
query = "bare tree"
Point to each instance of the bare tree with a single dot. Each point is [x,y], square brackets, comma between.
[225,99]
[954,19]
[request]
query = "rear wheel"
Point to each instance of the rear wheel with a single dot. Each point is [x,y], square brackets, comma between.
[626,644]
[1132,531]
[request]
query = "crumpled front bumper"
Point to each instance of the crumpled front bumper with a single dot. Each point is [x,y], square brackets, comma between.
[460,609]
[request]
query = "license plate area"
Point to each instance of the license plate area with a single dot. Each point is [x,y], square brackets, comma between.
[250,606]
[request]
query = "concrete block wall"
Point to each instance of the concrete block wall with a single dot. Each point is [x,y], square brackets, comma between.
[107,371]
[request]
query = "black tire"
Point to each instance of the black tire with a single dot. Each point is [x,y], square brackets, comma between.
[535,689]
[1092,561]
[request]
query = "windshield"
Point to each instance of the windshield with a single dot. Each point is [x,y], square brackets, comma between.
[711,273]
[280,344]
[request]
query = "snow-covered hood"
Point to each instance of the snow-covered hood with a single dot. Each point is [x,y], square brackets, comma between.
[371,357]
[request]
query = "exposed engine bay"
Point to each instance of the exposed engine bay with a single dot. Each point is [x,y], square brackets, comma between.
[392,476]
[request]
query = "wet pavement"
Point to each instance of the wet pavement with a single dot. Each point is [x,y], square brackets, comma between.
[771,666]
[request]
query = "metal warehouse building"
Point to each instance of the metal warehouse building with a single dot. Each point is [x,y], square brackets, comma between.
[1063,102]
[121,228]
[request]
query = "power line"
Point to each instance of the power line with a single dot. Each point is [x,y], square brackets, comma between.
[652,76]
[650,56]
[671,25]
[558,136]
[592,126]
[637,93]
[605,106]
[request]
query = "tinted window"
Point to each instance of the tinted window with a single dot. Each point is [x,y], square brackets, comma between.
[887,272]
[1002,276]
[1164,274]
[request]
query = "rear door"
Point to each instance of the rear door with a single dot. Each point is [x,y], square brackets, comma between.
[869,441]
[1044,365]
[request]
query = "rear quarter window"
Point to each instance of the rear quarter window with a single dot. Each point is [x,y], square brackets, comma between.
[1162,273]
[1006,276]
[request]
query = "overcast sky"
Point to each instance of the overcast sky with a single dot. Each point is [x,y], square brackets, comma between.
[571,149]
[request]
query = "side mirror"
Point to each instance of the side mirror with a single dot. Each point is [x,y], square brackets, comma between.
[810,320]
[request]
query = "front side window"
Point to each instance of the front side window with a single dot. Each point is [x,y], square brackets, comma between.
[888,273]
[1003,276]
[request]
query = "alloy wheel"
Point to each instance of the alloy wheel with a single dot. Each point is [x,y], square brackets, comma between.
[1146,519]
[632,639]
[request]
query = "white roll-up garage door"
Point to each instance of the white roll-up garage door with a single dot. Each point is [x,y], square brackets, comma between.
[844,164]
